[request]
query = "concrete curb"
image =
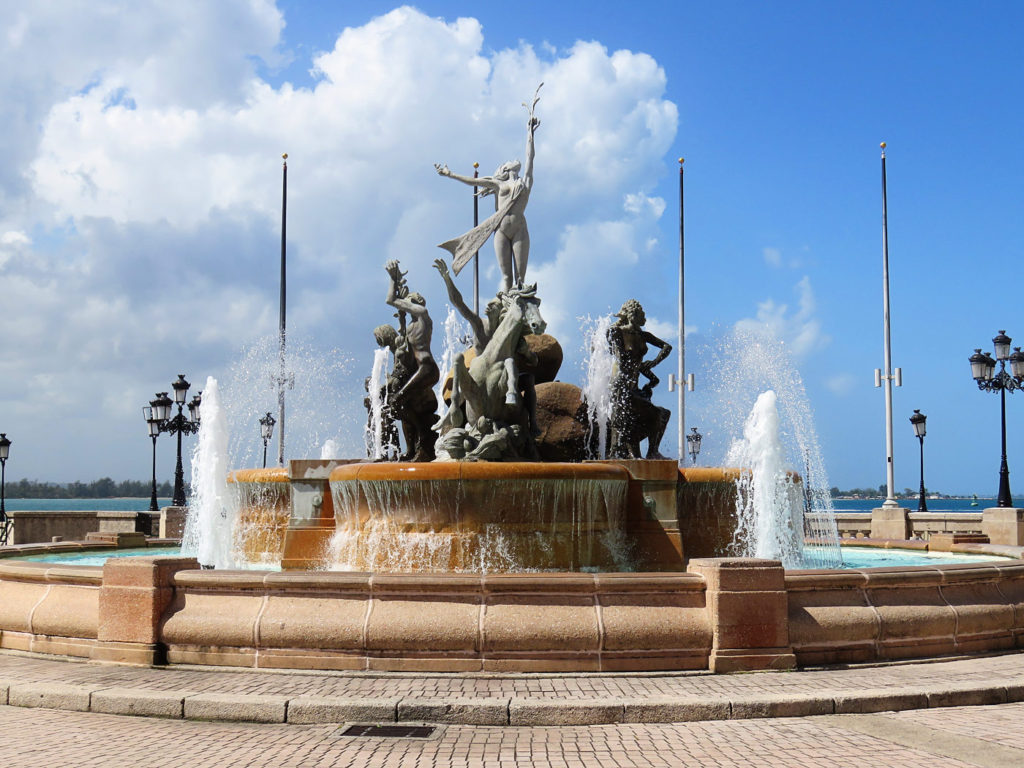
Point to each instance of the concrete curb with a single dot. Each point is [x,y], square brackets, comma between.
[313,710]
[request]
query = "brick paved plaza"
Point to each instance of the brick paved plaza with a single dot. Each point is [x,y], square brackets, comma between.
[967,736]
[941,723]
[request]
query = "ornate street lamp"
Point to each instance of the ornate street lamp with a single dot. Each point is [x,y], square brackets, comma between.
[266,432]
[693,443]
[917,421]
[5,451]
[983,371]
[153,423]
[178,425]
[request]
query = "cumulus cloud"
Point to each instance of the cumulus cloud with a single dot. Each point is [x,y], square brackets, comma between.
[800,329]
[145,192]
[772,257]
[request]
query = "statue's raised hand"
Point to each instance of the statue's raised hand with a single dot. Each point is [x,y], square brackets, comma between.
[442,169]
[393,269]
[441,266]
[533,124]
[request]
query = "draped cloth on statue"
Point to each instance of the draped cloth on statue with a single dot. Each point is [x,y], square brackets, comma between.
[464,246]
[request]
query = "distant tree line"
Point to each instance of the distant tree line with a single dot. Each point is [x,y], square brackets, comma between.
[104,488]
[880,492]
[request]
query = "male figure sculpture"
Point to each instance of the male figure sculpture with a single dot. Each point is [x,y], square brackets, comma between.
[634,416]
[508,224]
[411,396]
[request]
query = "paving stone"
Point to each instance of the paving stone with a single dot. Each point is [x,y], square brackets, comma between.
[572,712]
[780,706]
[50,696]
[674,710]
[586,698]
[465,711]
[236,707]
[862,702]
[966,696]
[315,709]
[139,701]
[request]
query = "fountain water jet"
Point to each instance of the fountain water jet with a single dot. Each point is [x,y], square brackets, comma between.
[597,390]
[748,361]
[769,505]
[377,447]
[210,524]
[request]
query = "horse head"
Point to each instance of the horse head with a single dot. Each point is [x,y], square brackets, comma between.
[526,306]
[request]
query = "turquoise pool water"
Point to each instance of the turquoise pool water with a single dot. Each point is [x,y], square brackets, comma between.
[870,557]
[99,558]
[853,557]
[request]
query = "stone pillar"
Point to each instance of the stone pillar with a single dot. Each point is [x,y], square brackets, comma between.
[652,520]
[172,522]
[890,523]
[1003,525]
[135,593]
[748,609]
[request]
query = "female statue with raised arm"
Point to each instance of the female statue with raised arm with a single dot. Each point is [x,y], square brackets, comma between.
[508,224]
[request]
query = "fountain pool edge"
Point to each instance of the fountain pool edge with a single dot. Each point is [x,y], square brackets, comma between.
[724,615]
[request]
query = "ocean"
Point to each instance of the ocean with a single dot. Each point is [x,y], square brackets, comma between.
[840,505]
[105,505]
[934,505]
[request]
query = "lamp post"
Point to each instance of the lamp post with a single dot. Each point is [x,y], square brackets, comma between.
[266,432]
[5,451]
[693,443]
[983,370]
[917,421]
[153,424]
[178,425]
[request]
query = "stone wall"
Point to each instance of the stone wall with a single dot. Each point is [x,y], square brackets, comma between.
[922,525]
[725,615]
[40,526]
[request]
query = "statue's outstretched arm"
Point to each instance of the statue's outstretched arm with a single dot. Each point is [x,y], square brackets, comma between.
[404,305]
[455,297]
[481,181]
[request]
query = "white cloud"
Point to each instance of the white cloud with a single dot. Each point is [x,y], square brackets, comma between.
[772,257]
[800,330]
[15,238]
[145,152]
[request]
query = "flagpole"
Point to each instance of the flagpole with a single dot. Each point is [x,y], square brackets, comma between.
[476,256]
[890,474]
[681,384]
[281,332]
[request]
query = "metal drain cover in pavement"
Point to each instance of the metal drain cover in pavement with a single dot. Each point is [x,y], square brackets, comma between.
[390,731]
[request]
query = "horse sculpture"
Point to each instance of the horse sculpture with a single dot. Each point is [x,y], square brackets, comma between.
[487,419]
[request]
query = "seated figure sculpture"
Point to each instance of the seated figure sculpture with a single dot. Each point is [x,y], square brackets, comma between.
[634,416]
[411,396]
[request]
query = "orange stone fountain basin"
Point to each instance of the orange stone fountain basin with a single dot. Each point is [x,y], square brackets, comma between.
[722,614]
[459,517]
[264,508]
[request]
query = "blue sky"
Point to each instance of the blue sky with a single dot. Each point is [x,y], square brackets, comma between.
[140,197]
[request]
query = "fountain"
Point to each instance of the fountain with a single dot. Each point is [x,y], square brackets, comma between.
[489,559]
